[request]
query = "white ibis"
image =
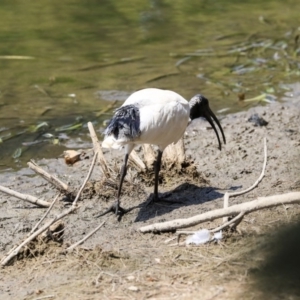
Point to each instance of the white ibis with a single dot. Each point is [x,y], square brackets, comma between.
[157,117]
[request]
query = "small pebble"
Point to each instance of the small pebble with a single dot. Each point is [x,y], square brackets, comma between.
[257,120]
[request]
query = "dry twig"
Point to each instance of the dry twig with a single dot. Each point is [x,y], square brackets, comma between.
[60,185]
[234,194]
[86,179]
[223,226]
[97,149]
[248,207]
[44,216]
[234,221]
[69,249]
[45,297]
[25,197]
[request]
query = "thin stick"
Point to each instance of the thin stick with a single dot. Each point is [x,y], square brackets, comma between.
[45,297]
[86,179]
[69,249]
[234,221]
[185,231]
[25,197]
[234,194]
[247,207]
[60,185]
[97,149]
[45,215]
[235,224]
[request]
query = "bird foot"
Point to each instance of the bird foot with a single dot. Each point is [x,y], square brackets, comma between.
[116,209]
[153,199]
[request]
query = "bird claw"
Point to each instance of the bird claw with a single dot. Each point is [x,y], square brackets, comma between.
[153,199]
[116,209]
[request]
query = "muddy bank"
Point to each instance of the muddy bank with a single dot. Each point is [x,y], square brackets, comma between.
[120,262]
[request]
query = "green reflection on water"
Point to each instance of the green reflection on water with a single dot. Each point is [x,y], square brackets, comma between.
[78,48]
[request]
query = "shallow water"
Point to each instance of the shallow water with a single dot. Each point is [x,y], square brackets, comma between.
[60,61]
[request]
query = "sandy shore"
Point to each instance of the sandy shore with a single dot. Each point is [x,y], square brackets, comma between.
[118,262]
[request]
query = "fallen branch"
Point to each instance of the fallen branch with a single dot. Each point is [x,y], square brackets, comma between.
[69,249]
[25,197]
[248,207]
[234,194]
[97,149]
[60,185]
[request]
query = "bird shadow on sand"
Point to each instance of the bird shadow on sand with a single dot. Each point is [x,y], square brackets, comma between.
[184,195]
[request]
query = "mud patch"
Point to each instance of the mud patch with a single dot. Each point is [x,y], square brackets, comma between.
[169,174]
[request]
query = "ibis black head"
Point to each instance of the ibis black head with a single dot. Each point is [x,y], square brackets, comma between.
[199,107]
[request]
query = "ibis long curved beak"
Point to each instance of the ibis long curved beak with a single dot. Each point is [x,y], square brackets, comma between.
[199,107]
[210,116]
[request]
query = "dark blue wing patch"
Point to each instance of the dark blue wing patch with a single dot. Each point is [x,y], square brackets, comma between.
[125,123]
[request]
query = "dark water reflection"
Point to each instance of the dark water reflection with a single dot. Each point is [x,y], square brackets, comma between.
[55,56]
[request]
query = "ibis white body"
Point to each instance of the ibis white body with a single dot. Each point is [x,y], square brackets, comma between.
[157,117]
[164,116]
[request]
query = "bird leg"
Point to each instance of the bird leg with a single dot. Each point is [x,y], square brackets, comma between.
[155,197]
[116,208]
[156,174]
[123,174]
[156,171]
